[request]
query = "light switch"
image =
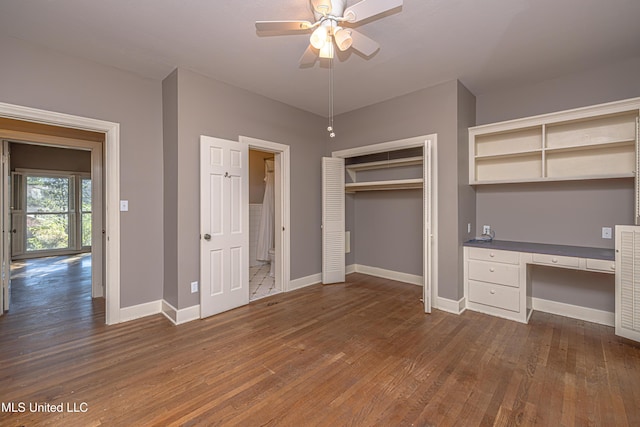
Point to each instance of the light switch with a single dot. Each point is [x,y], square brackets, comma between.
[606,232]
[124,205]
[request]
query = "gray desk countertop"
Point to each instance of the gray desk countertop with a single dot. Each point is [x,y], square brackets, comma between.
[544,248]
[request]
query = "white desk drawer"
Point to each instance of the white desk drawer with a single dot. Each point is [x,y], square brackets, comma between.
[602,265]
[494,255]
[560,261]
[498,296]
[493,272]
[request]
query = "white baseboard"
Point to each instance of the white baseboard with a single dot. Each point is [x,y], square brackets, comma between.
[351,268]
[574,311]
[451,306]
[140,310]
[389,274]
[305,281]
[184,315]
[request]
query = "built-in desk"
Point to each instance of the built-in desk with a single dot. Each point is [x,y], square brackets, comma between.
[496,274]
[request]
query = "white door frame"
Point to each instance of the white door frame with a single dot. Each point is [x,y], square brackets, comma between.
[418,141]
[282,205]
[112,188]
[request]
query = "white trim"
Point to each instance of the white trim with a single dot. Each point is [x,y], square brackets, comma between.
[178,317]
[412,279]
[351,268]
[140,310]
[418,141]
[303,282]
[451,306]
[283,221]
[574,311]
[112,189]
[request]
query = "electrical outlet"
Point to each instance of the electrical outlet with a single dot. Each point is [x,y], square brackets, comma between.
[194,287]
[486,229]
[469,228]
[606,232]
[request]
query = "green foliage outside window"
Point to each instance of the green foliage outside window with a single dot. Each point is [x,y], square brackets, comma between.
[85,200]
[47,213]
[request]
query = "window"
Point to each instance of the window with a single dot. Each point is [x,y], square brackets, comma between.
[51,212]
[47,212]
[85,211]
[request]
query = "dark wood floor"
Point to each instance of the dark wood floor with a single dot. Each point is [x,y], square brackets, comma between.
[354,354]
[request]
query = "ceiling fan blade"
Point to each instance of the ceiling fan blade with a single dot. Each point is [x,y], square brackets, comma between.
[323,7]
[363,44]
[368,8]
[309,57]
[283,25]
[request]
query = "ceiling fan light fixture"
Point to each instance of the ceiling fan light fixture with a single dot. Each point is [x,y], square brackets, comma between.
[343,38]
[319,37]
[326,51]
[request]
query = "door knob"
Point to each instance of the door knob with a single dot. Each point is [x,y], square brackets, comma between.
[207,237]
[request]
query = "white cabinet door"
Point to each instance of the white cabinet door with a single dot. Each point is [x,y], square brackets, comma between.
[628,281]
[224,225]
[333,260]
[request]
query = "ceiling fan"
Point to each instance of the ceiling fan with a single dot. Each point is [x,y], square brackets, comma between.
[332,25]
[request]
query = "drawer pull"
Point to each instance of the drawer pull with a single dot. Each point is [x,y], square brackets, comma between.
[492,254]
[554,260]
[492,269]
[492,291]
[613,266]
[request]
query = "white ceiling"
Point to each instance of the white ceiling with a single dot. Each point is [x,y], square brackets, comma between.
[487,44]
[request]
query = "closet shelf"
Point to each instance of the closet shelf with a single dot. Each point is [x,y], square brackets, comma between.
[397,184]
[385,163]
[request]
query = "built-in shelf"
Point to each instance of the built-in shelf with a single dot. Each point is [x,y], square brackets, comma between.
[396,184]
[392,184]
[385,164]
[588,143]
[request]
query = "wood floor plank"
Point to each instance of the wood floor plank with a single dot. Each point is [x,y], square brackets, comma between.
[362,353]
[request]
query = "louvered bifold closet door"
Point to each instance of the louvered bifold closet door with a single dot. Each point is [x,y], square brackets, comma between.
[628,282]
[333,224]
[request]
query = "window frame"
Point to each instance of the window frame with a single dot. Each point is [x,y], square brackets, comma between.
[74,213]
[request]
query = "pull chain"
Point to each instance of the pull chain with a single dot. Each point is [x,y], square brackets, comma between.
[332,133]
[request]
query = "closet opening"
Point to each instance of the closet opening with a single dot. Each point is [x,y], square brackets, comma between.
[397,205]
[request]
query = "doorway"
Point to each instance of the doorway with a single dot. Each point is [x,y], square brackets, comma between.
[54,209]
[281,211]
[56,129]
[263,281]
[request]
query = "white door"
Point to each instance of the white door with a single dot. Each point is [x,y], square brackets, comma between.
[5,224]
[224,225]
[627,294]
[333,261]
[428,236]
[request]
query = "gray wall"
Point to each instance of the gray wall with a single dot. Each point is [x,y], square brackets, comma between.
[170,186]
[431,110]
[570,212]
[595,86]
[387,223]
[209,107]
[41,78]
[563,212]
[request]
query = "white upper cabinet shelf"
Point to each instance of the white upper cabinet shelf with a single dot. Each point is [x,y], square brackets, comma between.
[586,143]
